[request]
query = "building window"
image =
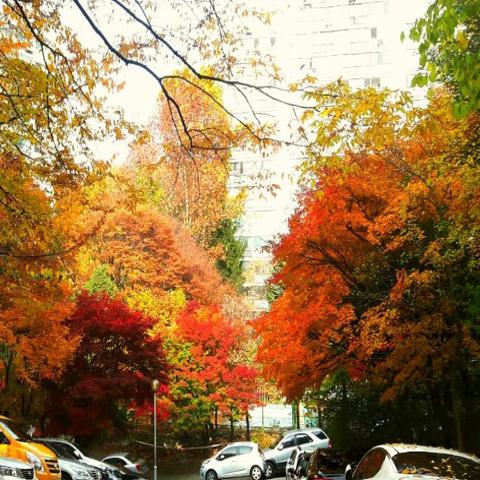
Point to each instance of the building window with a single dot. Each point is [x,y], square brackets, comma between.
[372,82]
[237,168]
[373,32]
[272,41]
[256,43]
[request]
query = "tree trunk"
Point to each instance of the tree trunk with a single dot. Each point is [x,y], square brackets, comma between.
[231,429]
[457,409]
[247,419]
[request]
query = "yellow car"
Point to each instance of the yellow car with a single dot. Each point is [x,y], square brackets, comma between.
[15,443]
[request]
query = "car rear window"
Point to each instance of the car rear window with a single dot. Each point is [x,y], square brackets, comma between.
[331,462]
[437,465]
[319,434]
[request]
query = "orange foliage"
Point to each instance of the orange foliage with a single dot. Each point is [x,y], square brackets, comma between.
[377,265]
[149,250]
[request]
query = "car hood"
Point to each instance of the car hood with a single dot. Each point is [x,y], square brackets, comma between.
[38,449]
[10,462]
[96,463]
[71,463]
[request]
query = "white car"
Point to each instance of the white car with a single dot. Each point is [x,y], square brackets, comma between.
[125,460]
[415,462]
[68,449]
[11,469]
[239,459]
[308,439]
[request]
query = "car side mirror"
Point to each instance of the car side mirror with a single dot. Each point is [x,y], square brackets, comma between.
[291,470]
[280,447]
[4,440]
[348,472]
[221,457]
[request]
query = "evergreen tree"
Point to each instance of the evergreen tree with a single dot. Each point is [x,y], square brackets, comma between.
[100,281]
[230,265]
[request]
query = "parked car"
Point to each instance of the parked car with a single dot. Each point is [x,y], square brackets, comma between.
[70,467]
[69,449]
[415,462]
[127,461]
[11,469]
[297,464]
[17,444]
[126,474]
[239,459]
[330,464]
[308,439]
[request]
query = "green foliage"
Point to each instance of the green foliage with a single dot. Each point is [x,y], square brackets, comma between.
[100,281]
[370,421]
[230,265]
[449,39]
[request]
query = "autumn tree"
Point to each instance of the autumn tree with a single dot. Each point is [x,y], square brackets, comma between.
[188,185]
[379,265]
[45,161]
[206,380]
[111,369]
[211,32]
[146,250]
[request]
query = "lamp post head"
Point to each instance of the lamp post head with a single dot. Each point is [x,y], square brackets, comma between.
[155,385]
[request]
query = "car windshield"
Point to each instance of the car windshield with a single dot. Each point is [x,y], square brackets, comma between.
[437,465]
[15,431]
[60,451]
[67,449]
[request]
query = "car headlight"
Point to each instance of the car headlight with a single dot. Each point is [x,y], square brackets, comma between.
[35,461]
[81,473]
[8,472]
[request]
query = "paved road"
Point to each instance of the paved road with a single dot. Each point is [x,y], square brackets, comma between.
[187,476]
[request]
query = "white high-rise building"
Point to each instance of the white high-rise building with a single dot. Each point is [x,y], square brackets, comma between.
[357,40]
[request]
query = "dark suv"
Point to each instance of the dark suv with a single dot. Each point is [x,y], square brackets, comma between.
[327,463]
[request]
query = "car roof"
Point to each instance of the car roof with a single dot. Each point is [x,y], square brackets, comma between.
[302,430]
[396,448]
[117,454]
[238,444]
[58,440]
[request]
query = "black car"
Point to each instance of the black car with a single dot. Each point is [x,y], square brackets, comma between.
[328,463]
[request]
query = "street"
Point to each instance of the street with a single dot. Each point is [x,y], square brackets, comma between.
[187,476]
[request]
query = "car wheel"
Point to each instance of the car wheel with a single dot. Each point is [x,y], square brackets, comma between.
[211,475]
[66,476]
[256,473]
[269,470]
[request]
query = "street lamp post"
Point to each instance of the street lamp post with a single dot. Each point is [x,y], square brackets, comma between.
[155,385]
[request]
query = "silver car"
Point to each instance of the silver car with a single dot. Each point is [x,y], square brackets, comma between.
[11,469]
[308,439]
[239,459]
[68,449]
[126,460]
